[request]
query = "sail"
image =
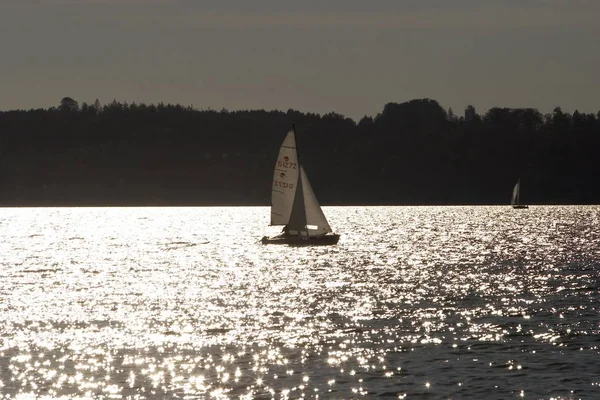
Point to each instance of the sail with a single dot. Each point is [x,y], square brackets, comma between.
[515,195]
[316,223]
[285,179]
[297,223]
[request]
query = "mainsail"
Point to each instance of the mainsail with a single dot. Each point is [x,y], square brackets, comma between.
[285,179]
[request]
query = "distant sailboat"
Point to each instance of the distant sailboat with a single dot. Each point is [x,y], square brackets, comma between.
[514,201]
[294,204]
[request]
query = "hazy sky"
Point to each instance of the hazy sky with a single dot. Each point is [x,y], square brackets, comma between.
[347,56]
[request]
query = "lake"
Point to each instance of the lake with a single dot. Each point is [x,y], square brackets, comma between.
[414,302]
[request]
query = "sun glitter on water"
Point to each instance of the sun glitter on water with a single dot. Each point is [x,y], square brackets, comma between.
[462,302]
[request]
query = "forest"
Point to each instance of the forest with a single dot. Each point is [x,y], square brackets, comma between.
[414,153]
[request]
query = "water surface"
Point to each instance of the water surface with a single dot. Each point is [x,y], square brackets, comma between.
[414,302]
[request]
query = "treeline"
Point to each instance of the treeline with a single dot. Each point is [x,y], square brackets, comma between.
[410,153]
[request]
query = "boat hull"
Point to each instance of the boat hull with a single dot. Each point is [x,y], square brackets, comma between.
[518,206]
[326,240]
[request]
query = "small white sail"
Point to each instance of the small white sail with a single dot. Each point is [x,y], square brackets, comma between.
[515,194]
[285,179]
[316,223]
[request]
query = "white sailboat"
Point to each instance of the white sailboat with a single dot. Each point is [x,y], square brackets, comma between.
[514,201]
[294,204]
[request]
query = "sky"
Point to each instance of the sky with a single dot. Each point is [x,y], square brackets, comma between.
[345,56]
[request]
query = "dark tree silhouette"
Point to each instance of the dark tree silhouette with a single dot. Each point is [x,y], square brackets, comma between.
[68,104]
[410,153]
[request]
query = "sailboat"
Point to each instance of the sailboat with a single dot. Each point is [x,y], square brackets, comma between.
[514,201]
[294,204]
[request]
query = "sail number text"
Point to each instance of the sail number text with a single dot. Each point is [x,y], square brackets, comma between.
[283,185]
[284,164]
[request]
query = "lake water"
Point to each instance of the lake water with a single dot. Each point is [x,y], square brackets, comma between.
[414,302]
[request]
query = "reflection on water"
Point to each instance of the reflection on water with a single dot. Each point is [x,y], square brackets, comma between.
[414,302]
